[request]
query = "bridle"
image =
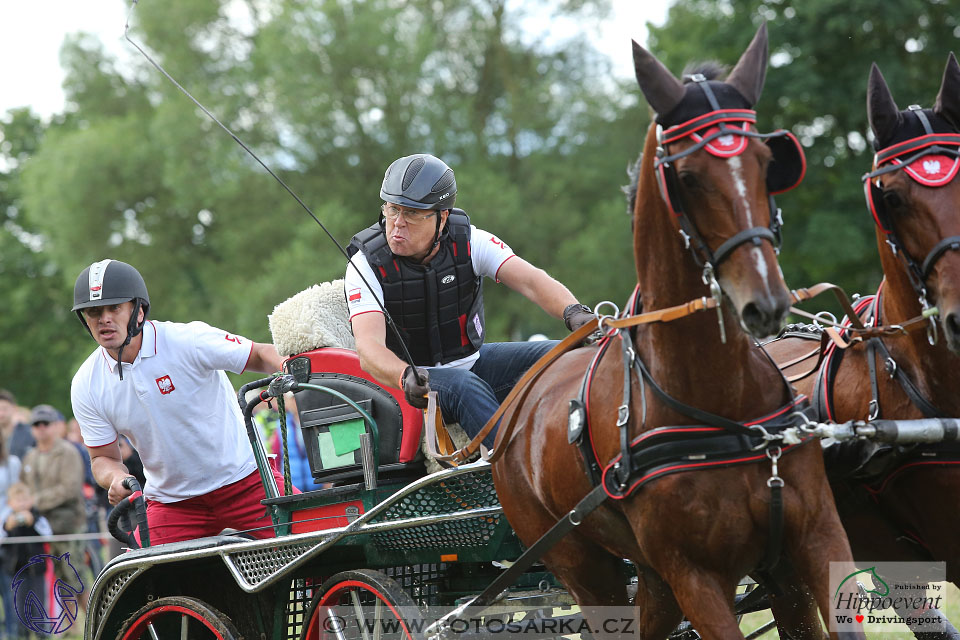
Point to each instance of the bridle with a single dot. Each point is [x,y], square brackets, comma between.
[723,133]
[908,156]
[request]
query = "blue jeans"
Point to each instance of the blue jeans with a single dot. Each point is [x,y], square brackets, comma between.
[472,396]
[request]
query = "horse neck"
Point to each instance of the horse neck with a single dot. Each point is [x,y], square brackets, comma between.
[686,356]
[931,367]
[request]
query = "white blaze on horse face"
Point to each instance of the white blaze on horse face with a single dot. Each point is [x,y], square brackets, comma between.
[761,268]
[736,172]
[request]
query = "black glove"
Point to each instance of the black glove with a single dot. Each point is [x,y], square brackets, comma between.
[576,315]
[415,392]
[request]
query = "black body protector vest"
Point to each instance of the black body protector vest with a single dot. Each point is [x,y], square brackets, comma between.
[438,307]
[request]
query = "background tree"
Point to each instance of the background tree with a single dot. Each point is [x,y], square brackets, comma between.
[328,93]
[821,52]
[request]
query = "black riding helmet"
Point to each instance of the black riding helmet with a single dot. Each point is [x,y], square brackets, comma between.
[420,181]
[111,282]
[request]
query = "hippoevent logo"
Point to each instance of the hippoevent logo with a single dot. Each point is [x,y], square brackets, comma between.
[891,597]
[28,594]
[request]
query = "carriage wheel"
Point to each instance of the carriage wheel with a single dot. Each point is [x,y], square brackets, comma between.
[178,617]
[362,604]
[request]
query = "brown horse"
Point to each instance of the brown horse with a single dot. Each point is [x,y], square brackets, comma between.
[692,535]
[903,503]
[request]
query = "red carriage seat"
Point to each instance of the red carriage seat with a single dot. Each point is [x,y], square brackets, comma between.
[331,427]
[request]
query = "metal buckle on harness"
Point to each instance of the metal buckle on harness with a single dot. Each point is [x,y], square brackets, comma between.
[603,318]
[930,313]
[708,278]
[623,414]
[774,454]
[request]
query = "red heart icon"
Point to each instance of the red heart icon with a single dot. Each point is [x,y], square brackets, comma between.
[859,618]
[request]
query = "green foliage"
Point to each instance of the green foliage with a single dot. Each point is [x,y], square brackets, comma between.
[329,92]
[821,52]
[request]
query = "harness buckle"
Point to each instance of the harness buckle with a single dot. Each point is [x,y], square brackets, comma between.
[774,453]
[874,410]
[708,278]
[891,366]
[623,414]
[686,239]
[925,309]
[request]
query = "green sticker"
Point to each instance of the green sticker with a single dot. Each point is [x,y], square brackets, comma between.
[328,454]
[346,435]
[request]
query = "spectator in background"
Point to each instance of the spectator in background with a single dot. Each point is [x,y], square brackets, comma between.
[54,472]
[20,518]
[9,475]
[16,433]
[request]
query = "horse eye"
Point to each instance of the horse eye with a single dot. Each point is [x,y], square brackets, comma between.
[688,180]
[892,199]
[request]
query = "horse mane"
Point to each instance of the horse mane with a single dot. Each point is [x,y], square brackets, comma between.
[710,69]
[633,183]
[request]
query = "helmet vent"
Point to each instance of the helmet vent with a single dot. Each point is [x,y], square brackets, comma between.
[445,182]
[412,171]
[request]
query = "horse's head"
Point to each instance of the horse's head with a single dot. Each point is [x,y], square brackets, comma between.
[716,176]
[914,196]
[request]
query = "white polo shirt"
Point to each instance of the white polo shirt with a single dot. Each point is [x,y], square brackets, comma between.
[487,255]
[175,404]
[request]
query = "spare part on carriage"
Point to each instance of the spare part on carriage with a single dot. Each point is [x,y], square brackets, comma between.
[110,282]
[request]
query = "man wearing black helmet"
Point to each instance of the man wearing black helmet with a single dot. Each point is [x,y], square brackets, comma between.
[426,263]
[162,384]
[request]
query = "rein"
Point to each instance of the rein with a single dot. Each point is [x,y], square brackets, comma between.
[569,343]
[607,325]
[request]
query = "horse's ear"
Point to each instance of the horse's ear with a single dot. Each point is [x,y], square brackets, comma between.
[751,70]
[882,111]
[948,100]
[660,87]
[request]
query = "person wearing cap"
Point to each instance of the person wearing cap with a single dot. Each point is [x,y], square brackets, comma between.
[53,470]
[425,262]
[163,385]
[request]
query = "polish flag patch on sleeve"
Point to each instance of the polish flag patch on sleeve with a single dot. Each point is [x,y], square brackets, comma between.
[354,295]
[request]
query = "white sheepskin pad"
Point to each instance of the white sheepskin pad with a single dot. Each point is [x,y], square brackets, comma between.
[315,317]
[460,440]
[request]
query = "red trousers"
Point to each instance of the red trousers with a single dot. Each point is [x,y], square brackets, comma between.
[235,506]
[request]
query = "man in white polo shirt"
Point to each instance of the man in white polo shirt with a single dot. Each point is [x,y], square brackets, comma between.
[162,384]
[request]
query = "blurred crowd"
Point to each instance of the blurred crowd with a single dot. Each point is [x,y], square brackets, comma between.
[47,488]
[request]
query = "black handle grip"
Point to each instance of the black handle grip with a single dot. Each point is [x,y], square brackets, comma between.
[140,516]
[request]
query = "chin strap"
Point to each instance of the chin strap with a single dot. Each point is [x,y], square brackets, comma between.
[133,329]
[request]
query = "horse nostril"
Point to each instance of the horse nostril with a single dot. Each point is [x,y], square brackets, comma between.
[762,317]
[755,316]
[951,324]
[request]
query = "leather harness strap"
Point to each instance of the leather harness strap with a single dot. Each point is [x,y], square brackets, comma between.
[575,339]
[567,344]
